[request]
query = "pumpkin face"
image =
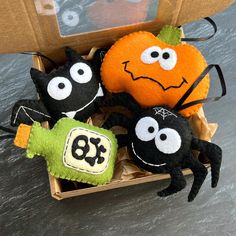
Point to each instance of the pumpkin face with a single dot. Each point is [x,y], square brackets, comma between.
[154,72]
[111,13]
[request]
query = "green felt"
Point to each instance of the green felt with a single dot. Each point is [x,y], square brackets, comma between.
[50,145]
[170,34]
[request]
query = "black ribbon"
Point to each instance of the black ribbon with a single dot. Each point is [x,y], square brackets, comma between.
[7,130]
[202,39]
[8,136]
[43,56]
[12,133]
[180,106]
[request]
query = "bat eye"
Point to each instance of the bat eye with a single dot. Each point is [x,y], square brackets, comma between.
[168,59]
[70,18]
[151,55]
[146,129]
[59,88]
[168,141]
[81,73]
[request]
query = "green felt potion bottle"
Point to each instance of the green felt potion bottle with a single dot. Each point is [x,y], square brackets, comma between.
[73,150]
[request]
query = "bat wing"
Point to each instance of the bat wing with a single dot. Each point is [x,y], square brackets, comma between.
[28,111]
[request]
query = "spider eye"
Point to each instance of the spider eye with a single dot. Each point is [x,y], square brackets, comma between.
[81,73]
[146,129]
[151,55]
[59,88]
[168,141]
[168,59]
[70,18]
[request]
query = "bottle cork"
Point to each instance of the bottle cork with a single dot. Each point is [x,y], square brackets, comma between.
[22,136]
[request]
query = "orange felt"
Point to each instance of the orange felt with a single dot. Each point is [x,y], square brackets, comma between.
[22,136]
[190,64]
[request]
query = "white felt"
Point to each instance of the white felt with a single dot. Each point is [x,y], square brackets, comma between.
[71,114]
[163,112]
[55,92]
[146,55]
[70,18]
[85,77]
[141,129]
[168,64]
[82,165]
[172,143]
[145,162]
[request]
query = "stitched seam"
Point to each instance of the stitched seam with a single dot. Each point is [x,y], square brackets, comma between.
[150,164]
[24,109]
[78,168]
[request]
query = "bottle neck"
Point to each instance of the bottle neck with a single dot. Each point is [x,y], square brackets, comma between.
[39,142]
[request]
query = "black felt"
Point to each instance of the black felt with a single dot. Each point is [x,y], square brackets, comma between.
[91,160]
[117,119]
[213,153]
[177,183]
[199,173]
[82,99]
[28,111]
[148,150]
[123,99]
[148,156]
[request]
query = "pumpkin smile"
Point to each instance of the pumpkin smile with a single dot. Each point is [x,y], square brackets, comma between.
[155,81]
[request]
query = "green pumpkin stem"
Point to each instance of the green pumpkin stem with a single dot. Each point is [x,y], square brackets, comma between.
[170,35]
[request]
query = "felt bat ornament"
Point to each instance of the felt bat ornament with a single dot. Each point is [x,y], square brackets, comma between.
[73,90]
[160,140]
[157,71]
[73,150]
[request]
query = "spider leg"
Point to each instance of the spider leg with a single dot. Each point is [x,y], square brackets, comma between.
[123,99]
[177,183]
[122,139]
[214,154]
[117,119]
[199,173]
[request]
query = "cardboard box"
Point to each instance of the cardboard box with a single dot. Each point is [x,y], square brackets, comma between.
[34,26]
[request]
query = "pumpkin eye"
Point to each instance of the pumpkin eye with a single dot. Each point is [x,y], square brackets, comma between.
[146,129]
[151,55]
[168,59]
[59,88]
[81,73]
[70,18]
[168,141]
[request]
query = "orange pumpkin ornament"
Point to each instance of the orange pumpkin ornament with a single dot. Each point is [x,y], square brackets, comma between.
[156,70]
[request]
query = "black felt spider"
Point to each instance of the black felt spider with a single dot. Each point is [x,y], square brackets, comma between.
[160,140]
[73,90]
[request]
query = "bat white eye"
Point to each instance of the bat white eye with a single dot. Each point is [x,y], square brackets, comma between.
[70,18]
[151,55]
[81,73]
[168,141]
[59,88]
[168,59]
[146,129]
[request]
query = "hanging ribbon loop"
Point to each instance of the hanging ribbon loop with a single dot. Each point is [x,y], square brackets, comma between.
[180,106]
[202,39]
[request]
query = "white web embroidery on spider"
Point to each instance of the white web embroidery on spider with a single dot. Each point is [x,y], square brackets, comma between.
[163,112]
